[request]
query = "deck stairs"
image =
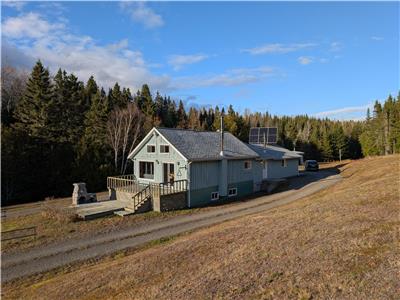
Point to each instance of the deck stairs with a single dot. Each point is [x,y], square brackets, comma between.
[137,202]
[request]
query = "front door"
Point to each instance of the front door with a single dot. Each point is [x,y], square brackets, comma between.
[169,174]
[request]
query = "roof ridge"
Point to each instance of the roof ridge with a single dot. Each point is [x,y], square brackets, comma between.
[194,130]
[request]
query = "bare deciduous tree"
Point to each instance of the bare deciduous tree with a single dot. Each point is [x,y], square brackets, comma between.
[13,83]
[123,130]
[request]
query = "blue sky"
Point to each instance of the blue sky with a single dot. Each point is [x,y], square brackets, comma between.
[323,59]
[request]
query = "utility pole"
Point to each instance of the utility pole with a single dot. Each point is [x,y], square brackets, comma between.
[340,155]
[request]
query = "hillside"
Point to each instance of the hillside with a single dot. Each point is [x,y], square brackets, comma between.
[339,243]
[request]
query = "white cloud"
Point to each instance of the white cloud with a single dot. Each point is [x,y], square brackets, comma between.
[18,5]
[377,38]
[141,13]
[233,77]
[30,25]
[278,48]
[346,113]
[305,60]
[81,55]
[336,46]
[178,61]
[57,47]
[11,56]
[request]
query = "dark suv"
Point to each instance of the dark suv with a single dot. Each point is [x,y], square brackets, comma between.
[311,165]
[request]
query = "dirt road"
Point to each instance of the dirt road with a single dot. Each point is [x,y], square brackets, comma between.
[15,265]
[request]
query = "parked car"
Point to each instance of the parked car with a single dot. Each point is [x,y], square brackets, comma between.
[311,165]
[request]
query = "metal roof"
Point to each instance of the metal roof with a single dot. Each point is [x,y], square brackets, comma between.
[274,152]
[206,145]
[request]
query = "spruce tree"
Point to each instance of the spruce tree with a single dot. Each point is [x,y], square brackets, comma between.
[181,116]
[117,99]
[326,147]
[70,106]
[34,113]
[90,90]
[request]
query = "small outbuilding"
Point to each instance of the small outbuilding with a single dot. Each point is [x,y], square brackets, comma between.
[277,162]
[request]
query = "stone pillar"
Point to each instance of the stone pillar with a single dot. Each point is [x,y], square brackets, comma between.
[156,203]
[112,194]
[79,194]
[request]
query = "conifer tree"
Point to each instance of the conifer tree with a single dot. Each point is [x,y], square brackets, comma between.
[326,147]
[70,107]
[90,90]
[181,116]
[34,113]
[117,98]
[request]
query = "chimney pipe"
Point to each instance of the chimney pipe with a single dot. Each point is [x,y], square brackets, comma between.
[222,133]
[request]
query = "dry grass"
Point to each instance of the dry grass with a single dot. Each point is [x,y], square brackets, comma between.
[55,224]
[340,243]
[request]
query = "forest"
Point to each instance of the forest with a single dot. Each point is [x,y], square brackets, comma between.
[57,130]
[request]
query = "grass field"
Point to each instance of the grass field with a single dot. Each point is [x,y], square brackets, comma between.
[55,223]
[340,243]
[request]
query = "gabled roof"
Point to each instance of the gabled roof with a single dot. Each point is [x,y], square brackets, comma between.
[206,145]
[274,152]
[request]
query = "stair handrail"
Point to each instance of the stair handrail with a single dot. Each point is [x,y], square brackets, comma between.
[141,196]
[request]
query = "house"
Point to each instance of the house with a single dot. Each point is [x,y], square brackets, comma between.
[215,165]
[277,162]
[177,168]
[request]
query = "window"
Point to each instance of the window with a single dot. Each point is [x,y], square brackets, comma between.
[232,192]
[284,163]
[214,196]
[151,148]
[164,149]
[146,170]
[247,165]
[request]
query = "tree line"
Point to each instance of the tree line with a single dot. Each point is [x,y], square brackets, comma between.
[57,130]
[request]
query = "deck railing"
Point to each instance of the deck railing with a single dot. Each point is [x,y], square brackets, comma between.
[173,187]
[129,184]
[123,183]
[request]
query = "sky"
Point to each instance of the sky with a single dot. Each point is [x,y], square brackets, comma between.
[323,59]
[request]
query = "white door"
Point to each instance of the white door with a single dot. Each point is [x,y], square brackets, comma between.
[265,168]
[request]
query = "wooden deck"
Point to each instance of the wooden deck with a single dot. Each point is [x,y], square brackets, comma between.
[135,194]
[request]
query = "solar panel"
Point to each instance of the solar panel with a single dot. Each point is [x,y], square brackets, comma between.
[263,135]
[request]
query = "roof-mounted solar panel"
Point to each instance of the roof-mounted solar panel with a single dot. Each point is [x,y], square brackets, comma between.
[263,135]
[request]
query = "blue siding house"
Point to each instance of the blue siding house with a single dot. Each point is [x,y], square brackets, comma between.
[215,165]
[211,166]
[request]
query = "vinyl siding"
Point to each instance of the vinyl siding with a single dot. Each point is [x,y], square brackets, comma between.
[237,172]
[180,165]
[204,174]
[275,169]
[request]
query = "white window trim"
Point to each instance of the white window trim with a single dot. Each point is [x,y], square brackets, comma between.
[147,148]
[154,169]
[232,195]
[168,150]
[250,165]
[213,199]
[285,164]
